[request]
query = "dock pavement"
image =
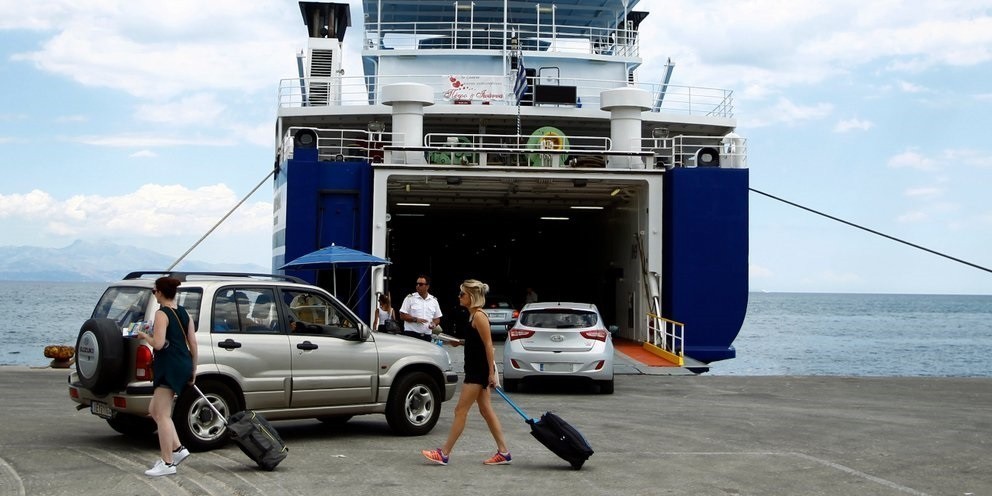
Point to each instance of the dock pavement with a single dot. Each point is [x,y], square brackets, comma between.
[656,435]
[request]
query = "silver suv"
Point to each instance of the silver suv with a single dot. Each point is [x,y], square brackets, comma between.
[268,343]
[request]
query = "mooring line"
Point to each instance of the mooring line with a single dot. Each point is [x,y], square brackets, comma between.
[893,238]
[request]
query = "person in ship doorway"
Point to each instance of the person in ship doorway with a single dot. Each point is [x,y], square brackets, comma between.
[480,376]
[174,340]
[420,311]
[385,316]
[531,296]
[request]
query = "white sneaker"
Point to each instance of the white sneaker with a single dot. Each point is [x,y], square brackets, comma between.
[179,456]
[160,468]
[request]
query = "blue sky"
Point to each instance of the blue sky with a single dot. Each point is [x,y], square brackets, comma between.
[144,122]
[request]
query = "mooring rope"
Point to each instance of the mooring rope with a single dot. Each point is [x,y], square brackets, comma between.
[222,219]
[893,238]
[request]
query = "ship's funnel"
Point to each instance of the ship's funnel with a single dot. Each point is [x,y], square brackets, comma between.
[326,20]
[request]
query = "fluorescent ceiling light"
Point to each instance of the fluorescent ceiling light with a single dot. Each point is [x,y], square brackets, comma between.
[585,207]
[615,192]
[413,204]
[409,215]
[554,218]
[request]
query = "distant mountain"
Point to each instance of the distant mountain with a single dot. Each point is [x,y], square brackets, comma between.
[98,261]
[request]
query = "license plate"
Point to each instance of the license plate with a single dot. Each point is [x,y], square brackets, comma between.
[556,367]
[101,409]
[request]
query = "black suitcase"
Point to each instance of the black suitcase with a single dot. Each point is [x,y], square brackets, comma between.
[557,435]
[254,435]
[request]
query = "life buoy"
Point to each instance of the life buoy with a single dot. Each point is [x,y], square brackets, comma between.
[547,138]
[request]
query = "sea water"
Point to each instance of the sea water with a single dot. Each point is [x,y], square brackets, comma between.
[783,333]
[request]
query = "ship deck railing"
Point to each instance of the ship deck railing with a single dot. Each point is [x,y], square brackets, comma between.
[666,338]
[342,145]
[465,34]
[366,90]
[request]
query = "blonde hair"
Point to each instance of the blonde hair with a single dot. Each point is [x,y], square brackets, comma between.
[476,291]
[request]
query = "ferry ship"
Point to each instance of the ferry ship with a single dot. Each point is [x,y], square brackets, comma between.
[514,142]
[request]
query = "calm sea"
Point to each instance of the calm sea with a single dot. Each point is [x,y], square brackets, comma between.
[783,334]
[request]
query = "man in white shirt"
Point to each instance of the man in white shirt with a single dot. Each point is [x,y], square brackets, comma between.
[420,311]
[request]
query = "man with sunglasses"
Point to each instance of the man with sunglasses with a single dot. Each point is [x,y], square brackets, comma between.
[420,311]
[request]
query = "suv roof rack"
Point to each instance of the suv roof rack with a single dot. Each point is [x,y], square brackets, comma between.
[184,275]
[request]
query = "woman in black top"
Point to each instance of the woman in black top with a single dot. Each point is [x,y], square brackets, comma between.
[174,341]
[480,374]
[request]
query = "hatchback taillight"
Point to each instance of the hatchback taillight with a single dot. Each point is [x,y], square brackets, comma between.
[143,358]
[520,333]
[597,334]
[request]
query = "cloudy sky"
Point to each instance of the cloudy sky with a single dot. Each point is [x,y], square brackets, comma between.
[144,122]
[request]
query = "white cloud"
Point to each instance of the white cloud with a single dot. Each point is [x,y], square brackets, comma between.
[144,154]
[926,192]
[787,113]
[852,124]
[908,87]
[150,140]
[974,158]
[151,211]
[199,109]
[156,50]
[30,205]
[913,160]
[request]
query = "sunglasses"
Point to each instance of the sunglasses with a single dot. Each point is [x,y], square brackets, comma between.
[421,284]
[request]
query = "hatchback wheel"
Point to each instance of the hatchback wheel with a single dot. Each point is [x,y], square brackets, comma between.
[414,405]
[606,387]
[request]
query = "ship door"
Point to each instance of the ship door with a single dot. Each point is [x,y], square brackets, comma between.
[337,222]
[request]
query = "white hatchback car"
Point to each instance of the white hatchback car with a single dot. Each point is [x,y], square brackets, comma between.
[559,339]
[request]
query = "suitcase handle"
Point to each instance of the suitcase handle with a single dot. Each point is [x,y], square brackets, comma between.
[499,390]
[211,405]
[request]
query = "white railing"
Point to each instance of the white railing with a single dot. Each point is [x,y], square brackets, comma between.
[682,150]
[366,90]
[512,149]
[667,335]
[534,37]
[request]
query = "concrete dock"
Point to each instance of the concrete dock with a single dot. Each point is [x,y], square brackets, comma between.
[658,434]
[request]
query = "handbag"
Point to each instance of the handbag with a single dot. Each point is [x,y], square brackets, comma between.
[390,326]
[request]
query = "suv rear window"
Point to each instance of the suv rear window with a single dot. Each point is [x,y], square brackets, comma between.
[129,304]
[123,304]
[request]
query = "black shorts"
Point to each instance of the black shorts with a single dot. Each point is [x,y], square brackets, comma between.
[476,378]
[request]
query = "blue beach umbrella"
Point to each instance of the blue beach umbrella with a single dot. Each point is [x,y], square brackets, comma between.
[332,257]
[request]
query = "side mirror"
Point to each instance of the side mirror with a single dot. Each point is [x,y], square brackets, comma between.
[613,329]
[363,332]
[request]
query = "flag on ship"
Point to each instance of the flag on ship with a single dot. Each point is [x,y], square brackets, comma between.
[520,86]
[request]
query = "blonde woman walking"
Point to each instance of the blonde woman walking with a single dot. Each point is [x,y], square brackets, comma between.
[480,375]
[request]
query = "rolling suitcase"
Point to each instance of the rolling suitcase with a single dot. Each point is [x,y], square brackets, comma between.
[557,435]
[254,435]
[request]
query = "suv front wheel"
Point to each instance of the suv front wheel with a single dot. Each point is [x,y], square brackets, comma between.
[414,405]
[198,426]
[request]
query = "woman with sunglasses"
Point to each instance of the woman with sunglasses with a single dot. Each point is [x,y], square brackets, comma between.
[480,375]
[174,340]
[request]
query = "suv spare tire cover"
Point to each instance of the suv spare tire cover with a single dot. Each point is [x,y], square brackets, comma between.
[99,355]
